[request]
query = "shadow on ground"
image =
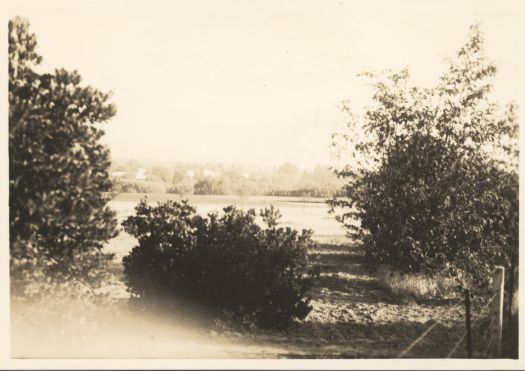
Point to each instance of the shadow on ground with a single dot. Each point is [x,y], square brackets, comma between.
[354,317]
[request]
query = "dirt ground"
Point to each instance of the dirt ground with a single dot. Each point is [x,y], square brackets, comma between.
[354,317]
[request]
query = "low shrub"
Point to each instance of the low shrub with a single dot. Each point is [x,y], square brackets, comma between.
[35,277]
[415,285]
[225,263]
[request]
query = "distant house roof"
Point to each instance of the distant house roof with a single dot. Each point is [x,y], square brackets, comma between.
[140,173]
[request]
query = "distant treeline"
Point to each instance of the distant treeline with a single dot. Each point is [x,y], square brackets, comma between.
[216,179]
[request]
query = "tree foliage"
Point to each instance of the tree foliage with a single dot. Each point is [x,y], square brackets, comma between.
[216,179]
[58,175]
[434,185]
[226,263]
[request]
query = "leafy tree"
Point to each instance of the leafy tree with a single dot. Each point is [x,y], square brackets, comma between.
[288,170]
[184,187]
[208,186]
[165,174]
[178,176]
[433,184]
[58,178]
[286,180]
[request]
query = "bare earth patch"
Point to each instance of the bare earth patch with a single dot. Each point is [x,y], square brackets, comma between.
[353,316]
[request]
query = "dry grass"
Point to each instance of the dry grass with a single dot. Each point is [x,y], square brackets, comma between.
[415,285]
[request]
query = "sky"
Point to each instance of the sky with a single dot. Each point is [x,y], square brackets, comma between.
[256,82]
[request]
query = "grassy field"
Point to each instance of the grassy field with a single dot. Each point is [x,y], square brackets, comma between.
[297,213]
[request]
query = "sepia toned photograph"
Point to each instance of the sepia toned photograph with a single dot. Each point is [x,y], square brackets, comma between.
[263,180]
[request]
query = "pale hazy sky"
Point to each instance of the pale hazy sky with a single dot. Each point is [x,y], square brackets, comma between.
[256,82]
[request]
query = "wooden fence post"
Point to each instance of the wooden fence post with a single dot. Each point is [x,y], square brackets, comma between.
[511,288]
[496,311]
[468,325]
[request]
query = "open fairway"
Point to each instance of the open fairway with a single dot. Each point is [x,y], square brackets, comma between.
[297,213]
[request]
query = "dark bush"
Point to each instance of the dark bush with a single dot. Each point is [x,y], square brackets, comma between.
[226,263]
[59,219]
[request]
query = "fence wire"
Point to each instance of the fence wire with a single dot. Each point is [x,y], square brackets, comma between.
[426,332]
[472,325]
[462,338]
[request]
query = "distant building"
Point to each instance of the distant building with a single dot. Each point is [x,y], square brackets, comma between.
[190,174]
[140,173]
